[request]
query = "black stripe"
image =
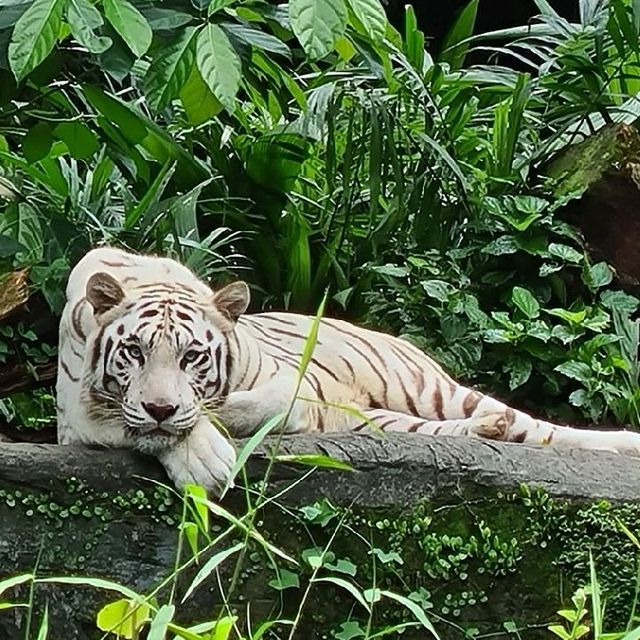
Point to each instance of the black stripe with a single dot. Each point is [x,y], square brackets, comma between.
[97,346]
[66,369]
[228,361]
[375,352]
[414,427]
[275,373]
[385,424]
[258,370]
[470,403]
[282,332]
[408,356]
[349,366]
[74,351]
[438,400]
[273,318]
[407,397]
[326,369]
[317,386]
[204,356]
[151,302]
[218,358]
[376,371]
[149,313]
[359,338]
[261,330]
[279,347]
[75,320]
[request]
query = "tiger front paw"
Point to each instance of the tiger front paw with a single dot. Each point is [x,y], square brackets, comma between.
[205,458]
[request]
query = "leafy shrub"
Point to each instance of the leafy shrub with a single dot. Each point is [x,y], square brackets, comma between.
[239,139]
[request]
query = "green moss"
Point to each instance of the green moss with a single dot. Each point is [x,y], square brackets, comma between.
[478,563]
[83,502]
[86,513]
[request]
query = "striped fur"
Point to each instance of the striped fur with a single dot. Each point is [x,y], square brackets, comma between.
[149,356]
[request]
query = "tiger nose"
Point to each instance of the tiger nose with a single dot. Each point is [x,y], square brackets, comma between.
[160,412]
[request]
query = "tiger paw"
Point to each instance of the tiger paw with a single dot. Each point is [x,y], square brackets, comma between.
[205,458]
[492,426]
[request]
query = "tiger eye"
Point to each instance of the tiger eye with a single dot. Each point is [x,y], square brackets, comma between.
[190,355]
[134,351]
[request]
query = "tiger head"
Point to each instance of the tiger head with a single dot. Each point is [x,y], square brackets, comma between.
[159,352]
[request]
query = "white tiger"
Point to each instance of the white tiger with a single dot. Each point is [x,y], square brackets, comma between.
[148,353]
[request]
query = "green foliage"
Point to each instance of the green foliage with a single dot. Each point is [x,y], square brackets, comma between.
[434,564]
[482,271]
[315,145]
[573,627]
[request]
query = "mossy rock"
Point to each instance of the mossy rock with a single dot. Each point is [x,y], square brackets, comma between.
[480,534]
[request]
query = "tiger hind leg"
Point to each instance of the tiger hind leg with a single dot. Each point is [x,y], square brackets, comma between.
[507,426]
[490,426]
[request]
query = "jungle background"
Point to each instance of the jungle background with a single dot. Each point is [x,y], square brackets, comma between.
[424,181]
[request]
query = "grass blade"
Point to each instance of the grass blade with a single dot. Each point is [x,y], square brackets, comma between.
[210,566]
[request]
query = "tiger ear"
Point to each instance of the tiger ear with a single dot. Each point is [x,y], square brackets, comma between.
[103,292]
[232,300]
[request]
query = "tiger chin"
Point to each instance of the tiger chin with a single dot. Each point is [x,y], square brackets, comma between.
[150,358]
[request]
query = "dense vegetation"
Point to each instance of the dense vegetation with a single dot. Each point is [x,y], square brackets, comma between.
[311,146]
[245,141]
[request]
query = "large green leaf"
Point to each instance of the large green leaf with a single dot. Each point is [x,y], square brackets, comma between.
[257,38]
[135,128]
[123,617]
[317,24]
[413,39]
[160,622]
[575,370]
[371,15]
[130,124]
[218,64]
[198,101]
[168,73]
[37,143]
[118,60]
[130,24]
[211,564]
[8,248]
[83,19]
[455,46]
[80,140]
[217,5]
[160,19]
[526,302]
[10,14]
[34,36]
